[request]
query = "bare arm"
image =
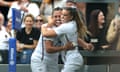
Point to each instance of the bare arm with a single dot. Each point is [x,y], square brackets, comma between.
[48,32]
[50,48]
[18,46]
[21,46]
[82,43]
[31,46]
[85,45]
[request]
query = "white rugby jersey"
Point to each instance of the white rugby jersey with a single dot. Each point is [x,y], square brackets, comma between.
[69,33]
[40,51]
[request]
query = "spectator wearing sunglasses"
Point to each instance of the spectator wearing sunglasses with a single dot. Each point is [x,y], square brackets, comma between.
[40,19]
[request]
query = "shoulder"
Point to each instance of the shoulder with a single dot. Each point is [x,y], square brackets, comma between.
[69,24]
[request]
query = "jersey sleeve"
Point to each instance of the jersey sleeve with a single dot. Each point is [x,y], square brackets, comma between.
[60,30]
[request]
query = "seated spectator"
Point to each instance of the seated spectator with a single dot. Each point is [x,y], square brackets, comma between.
[4,38]
[27,39]
[40,19]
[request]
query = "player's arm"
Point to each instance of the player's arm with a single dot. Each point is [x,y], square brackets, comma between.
[48,32]
[50,48]
[85,45]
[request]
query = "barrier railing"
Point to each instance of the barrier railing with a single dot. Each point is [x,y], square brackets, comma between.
[107,57]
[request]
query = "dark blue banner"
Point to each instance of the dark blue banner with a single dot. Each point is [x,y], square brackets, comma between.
[16,19]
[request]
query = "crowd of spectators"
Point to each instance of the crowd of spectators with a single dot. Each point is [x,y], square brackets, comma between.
[34,15]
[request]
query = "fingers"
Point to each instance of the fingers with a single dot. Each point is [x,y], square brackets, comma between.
[90,47]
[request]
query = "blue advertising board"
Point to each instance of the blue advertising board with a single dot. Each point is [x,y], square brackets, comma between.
[16,25]
[12,55]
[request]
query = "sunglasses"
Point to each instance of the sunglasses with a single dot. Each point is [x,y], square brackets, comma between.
[57,16]
[39,20]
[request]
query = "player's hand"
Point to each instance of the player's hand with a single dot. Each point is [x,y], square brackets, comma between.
[89,47]
[68,46]
[105,46]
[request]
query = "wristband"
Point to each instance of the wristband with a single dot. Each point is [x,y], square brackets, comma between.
[74,44]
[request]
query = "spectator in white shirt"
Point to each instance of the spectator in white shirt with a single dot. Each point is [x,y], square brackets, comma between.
[26,7]
[4,38]
[47,6]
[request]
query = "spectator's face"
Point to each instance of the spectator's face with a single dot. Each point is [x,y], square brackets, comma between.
[29,22]
[66,17]
[39,22]
[101,18]
[57,17]
[9,25]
